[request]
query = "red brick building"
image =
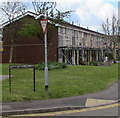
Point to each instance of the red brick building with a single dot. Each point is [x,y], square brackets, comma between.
[66,43]
[27,49]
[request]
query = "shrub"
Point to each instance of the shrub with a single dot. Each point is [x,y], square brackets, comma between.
[110,56]
[93,63]
[51,66]
[83,63]
[40,66]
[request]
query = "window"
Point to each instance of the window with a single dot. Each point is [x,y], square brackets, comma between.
[64,30]
[91,43]
[85,36]
[97,42]
[82,35]
[73,41]
[73,33]
[60,40]
[60,30]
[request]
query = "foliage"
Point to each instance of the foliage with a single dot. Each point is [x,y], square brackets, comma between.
[93,63]
[51,66]
[82,62]
[30,28]
[110,56]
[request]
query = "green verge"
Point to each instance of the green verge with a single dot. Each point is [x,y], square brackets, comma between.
[71,81]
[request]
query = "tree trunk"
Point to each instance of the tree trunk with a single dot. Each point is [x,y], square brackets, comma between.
[11,54]
[114,51]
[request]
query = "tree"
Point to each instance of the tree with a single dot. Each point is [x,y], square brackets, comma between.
[31,28]
[11,11]
[47,9]
[110,28]
[62,15]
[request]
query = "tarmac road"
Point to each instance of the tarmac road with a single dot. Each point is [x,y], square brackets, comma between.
[110,110]
[107,110]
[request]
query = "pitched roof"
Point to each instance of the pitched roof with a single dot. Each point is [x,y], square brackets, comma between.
[63,23]
[19,17]
[67,24]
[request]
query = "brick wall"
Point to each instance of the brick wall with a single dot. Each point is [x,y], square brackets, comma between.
[28,49]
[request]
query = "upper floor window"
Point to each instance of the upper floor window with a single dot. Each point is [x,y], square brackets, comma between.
[60,30]
[64,30]
[91,43]
[98,42]
[82,34]
[73,33]
[60,40]
[73,41]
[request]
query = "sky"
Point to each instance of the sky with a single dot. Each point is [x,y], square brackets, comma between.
[87,13]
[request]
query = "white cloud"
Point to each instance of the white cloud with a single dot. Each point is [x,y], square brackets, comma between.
[106,11]
[96,28]
[94,12]
[97,8]
[89,12]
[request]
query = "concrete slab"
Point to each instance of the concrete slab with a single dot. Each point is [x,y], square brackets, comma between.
[3,77]
[96,102]
[7,107]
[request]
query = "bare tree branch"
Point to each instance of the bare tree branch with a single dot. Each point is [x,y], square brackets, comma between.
[49,9]
[112,32]
[45,8]
[12,10]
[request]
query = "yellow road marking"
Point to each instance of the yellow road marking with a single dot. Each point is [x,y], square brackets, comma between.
[69,111]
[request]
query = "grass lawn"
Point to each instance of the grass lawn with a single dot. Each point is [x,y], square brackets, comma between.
[72,81]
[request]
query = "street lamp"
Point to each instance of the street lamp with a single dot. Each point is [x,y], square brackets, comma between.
[44,27]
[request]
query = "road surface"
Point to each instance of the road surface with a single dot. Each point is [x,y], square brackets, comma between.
[107,110]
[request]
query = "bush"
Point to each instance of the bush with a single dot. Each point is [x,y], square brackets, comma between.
[51,66]
[110,56]
[93,63]
[83,63]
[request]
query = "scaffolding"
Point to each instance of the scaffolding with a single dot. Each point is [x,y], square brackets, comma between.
[75,56]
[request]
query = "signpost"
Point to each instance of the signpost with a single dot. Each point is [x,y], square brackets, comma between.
[21,67]
[44,24]
[44,27]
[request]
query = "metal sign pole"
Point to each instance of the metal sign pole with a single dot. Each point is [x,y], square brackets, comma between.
[44,27]
[34,77]
[46,65]
[9,79]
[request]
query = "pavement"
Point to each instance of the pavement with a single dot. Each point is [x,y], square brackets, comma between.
[2,77]
[108,96]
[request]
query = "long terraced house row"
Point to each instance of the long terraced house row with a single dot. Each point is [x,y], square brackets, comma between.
[67,43]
